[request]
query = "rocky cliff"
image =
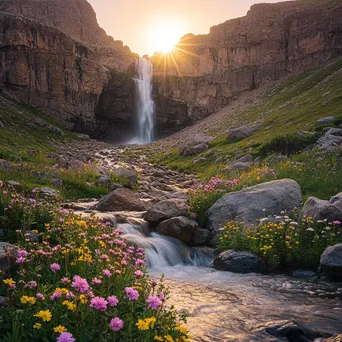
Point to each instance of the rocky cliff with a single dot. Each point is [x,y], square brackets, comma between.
[207,72]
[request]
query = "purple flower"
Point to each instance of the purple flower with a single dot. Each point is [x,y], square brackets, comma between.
[56,295]
[20,260]
[161,295]
[107,273]
[55,267]
[113,301]
[139,262]
[40,296]
[153,302]
[22,253]
[131,293]
[116,324]
[337,222]
[65,337]
[80,284]
[99,303]
[138,273]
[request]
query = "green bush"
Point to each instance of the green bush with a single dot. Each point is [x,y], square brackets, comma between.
[288,144]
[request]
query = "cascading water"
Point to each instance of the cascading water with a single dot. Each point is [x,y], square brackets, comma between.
[144,101]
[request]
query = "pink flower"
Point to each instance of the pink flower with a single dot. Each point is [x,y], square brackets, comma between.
[65,280]
[96,281]
[116,324]
[22,253]
[153,302]
[123,262]
[40,296]
[138,273]
[337,222]
[131,293]
[70,295]
[66,337]
[161,295]
[55,267]
[104,257]
[31,284]
[107,273]
[56,295]
[20,260]
[99,303]
[113,301]
[139,262]
[80,284]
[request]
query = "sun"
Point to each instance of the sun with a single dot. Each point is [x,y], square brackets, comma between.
[165,35]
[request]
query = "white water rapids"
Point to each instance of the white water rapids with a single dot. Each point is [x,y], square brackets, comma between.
[227,307]
[144,102]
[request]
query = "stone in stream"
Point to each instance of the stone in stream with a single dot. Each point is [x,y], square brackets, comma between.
[164,210]
[181,228]
[105,217]
[336,338]
[238,262]
[121,200]
[255,202]
[200,237]
[331,262]
[319,209]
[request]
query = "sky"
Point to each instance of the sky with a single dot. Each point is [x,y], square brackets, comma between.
[147,26]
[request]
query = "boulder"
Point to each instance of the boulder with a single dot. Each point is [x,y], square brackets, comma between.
[8,254]
[200,237]
[104,217]
[238,262]
[128,174]
[241,132]
[331,262]
[166,209]
[321,209]
[240,166]
[48,193]
[103,181]
[255,202]
[13,184]
[76,165]
[336,338]
[195,145]
[248,158]
[181,228]
[326,120]
[121,200]
[331,140]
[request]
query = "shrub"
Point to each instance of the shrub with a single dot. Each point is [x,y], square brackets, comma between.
[84,282]
[282,241]
[288,144]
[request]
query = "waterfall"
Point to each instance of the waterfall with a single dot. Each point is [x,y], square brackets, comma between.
[144,101]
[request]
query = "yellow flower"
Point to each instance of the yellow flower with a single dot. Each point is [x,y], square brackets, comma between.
[45,315]
[181,328]
[59,329]
[151,321]
[71,306]
[9,281]
[62,290]
[37,326]
[158,338]
[83,299]
[29,300]
[82,224]
[168,338]
[142,325]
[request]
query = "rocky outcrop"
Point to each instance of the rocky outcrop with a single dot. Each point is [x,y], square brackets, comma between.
[272,41]
[331,262]
[254,203]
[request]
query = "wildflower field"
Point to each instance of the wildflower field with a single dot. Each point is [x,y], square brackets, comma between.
[78,281]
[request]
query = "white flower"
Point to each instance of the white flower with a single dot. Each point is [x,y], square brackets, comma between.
[327,228]
[294,223]
[310,229]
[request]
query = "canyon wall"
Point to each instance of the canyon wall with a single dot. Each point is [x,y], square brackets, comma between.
[206,72]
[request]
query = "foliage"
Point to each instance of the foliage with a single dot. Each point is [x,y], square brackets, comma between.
[282,241]
[288,144]
[83,281]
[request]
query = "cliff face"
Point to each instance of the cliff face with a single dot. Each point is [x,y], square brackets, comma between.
[271,42]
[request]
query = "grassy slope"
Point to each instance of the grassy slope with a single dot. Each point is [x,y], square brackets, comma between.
[292,106]
[26,137]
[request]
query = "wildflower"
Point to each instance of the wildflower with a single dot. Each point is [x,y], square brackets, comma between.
[37,326]
[112,300]
[31,285]
[56,295]
[83,299]
[151,320]
[99,303]
[65,280]
[158,338]
[27,300]
[59,329]
[153,302]
[22,253]
[55,267]
[96,281]
[310,229]
[107,273]
[168,338]
[337,222]
[131,293]
[45,315]
[40,296]
[80,284]
[9,281]
[139,262]
[116,324]
[161,295]
[142,325]
[65,337]
[70,305]
[138,273]
[20,260]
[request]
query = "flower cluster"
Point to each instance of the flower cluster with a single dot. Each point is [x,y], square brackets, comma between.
[84,281]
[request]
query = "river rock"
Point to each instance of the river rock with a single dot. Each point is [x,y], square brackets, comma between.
[47,193]
[255,202]
[331,140]
[8,254]
[238,262]
[195,145]
[121,200]
[104,217]
[336,338]
[164,210]
[331,262]
[319,209]
[181,228]
[200,237]
[76,165]
[128,174]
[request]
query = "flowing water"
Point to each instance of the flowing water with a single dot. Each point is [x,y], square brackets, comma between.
[144,102]
[224,306]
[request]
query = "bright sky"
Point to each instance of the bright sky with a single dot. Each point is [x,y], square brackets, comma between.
[147,26]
